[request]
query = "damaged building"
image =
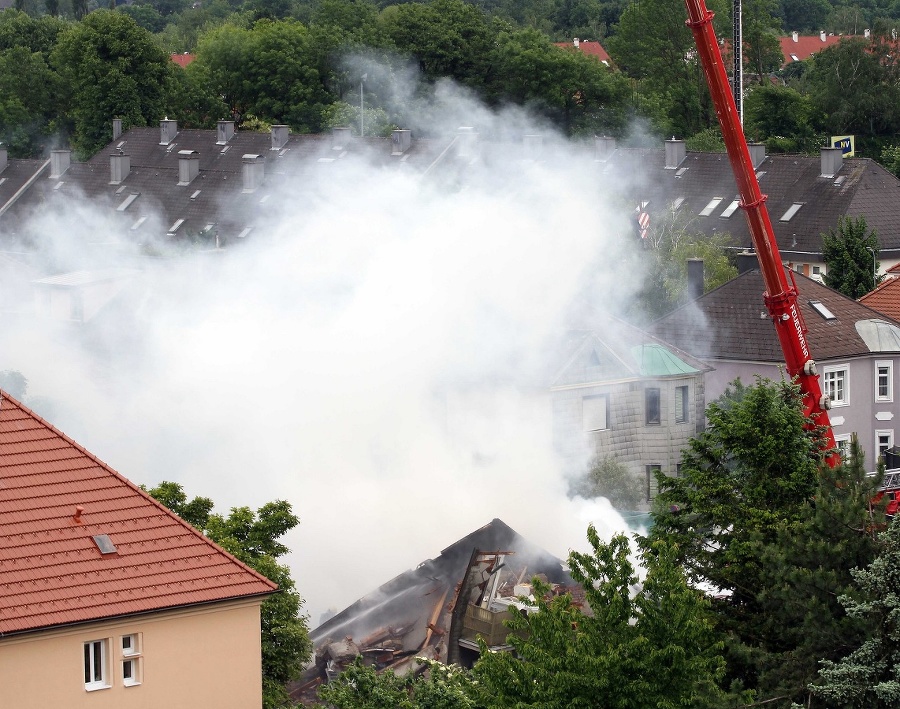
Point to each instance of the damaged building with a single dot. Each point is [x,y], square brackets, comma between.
[437,610]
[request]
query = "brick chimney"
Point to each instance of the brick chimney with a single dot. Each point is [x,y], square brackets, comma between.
[59,162]
[676,152]
[340,137]
[119,167]
[167,131]
[253,171]
[401,140]
[188,166]
[280,136]
[604,147]
[117,128]
[832,160]
[224,132]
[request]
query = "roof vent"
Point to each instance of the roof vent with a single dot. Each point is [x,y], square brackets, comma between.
[253,171]
[167,131]
[401,139]
[188,166]
[280,136]
[795,36]
[832,161]
[59,162]
[119,167]
[117,128]
[676,152]
[77,516]
[224,132]
[104,544]
[604,147]
[822,35]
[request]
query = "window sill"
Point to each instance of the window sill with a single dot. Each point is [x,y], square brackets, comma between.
[95,687]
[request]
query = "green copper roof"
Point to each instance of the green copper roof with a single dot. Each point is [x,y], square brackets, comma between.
[657,361]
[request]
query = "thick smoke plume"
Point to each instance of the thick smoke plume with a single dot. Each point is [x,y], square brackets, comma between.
[381,359]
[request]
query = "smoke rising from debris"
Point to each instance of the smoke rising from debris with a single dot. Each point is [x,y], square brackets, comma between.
[381,359]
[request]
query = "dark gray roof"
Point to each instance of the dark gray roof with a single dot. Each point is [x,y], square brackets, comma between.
[860,188]
[731,323]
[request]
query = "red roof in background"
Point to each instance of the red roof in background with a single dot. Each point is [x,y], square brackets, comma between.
[52,571]
[806,45]
[183,60]
[586,46]
[885,298]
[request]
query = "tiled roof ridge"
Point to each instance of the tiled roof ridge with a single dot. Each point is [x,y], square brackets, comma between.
[877,289]
[5,397]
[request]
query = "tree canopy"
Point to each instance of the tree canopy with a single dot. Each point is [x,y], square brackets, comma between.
[851,253]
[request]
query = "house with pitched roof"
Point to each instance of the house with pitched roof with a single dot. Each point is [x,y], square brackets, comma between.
[624,393]
[805,196]
[108,599]
[798,47]
[885,298]
[856,348]
[589,47]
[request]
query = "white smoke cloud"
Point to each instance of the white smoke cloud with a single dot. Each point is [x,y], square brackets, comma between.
[379,359]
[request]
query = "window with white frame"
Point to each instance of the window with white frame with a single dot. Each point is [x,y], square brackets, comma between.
[96,674]
[681,404]
[595,413]
[834,384]
[883,441]
[884,381]
[131,659]
[842,442]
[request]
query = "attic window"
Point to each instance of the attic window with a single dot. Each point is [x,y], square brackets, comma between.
[2,180]
[225,150]
[730,209]
[760,173]
[795,58]
[126,203]
[820,308]
[195,195]
[121,189]
[789,214]
[244,233]
[176,226]
[121,143]
[264,199]
[677,203]
[839,181]
[139,223]
[104,544]
[709,208]
[58,185]
[170,148]
[680,171]
[283,151]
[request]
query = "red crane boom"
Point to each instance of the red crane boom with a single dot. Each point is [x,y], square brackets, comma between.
[780,296]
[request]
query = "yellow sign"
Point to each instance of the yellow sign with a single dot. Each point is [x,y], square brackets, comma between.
[845,143]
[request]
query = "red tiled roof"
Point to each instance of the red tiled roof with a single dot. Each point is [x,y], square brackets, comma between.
[806,45]
[51,570]
[183,60]
[885,298]
[586,46]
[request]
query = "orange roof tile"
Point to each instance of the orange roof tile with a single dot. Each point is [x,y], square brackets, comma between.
[586,46]
[804,46]
[183,60]
[51,570]
[885,298]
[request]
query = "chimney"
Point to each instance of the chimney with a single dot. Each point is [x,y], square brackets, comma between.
[280,136]
[694,278]
[253,170]
[401,140]
[832,160]
[533,146]
[867,33]
[340,137]
[676,152]
[822,35]
[224,132]
[466,142]
[795,36]
[59,162]
[3,156]
[604,147]
[119,167]
[757,153]
[117,128]
[188,166]
[576,42]
[167,131]
[747,261]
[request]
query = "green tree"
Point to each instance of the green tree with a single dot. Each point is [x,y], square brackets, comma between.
[609,478]
[253,537]
[653,647]
[849,261]
[109,67]
[761,27]
[782,118]
[27,106]
[890,159]
[868,676]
